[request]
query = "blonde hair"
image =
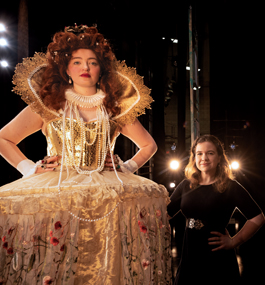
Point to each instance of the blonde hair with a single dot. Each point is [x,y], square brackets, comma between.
[223,170]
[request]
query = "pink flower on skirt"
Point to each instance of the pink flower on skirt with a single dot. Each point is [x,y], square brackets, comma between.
[10,250]
[47,280]
[142,227]
[54,241]
[62,248]
[57,225]
[3,238]
[145,263]
[158,213]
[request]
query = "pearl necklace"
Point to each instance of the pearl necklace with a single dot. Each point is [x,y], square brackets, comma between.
[103,128]
[85,101]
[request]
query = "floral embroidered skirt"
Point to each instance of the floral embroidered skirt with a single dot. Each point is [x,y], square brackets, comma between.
[128,241]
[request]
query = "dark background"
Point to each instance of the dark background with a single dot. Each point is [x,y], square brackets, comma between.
[135,29]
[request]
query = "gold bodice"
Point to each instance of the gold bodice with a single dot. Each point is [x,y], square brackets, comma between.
[83,148]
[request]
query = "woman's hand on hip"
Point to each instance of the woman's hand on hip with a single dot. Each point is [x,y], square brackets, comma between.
[47,164]
[221,241]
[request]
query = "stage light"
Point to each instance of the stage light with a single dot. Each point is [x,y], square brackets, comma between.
[188,68]
[2,27]
[4,63]
[235,165]
[174,164]
[3,42]
[172,184]
[175,41]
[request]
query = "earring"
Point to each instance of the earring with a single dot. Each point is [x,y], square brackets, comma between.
[98,83]
[70,80]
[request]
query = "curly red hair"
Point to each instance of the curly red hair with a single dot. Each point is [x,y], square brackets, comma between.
[59,52]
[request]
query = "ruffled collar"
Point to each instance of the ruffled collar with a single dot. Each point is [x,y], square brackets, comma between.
[85,101]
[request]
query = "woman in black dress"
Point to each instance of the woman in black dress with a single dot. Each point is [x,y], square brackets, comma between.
[208,198]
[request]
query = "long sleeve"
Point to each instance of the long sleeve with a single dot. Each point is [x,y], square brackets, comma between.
[175,205]
[243,201]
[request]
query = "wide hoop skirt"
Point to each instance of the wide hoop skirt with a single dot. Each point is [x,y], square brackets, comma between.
[93,231]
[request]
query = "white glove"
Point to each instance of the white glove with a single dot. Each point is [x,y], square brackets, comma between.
[27,167]
[129,166]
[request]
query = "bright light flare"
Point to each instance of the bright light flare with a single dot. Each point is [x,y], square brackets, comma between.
[2,27]
[4,63]
[174,164]
[235,165]
[3,42]
[172,184]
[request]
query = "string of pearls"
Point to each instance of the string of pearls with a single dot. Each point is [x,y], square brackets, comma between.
[102,128]
[94,220]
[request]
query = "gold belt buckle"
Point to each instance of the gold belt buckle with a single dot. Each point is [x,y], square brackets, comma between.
[197,224]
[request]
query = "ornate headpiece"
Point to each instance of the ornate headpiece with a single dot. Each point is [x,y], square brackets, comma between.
[76,29]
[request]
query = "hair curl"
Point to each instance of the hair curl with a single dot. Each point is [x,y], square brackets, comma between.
[223,171]
[55,79]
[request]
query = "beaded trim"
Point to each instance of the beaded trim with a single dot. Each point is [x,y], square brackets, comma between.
[95,220]
[134,103]
[36,94]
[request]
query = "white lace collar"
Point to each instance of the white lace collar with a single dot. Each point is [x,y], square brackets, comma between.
[85,101]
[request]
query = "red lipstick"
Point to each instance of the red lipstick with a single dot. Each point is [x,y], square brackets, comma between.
[85,75]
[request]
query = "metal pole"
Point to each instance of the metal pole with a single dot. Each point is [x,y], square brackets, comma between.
[197,97]
[191,77]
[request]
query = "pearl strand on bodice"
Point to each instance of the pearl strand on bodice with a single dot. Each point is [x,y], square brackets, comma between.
[102,133]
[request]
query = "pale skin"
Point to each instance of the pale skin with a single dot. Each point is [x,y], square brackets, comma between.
[27,122]
[207,160]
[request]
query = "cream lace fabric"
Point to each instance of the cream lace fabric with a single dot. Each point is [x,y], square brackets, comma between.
[41,243]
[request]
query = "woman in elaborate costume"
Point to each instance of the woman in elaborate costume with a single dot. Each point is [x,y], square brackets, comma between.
[208,198]
[69,220]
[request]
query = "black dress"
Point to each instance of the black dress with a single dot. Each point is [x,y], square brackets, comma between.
[198,263]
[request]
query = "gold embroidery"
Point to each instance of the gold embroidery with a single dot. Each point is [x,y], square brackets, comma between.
[136,96]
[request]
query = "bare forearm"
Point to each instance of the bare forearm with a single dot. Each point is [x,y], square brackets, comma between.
[146,144]
[248,230]
[144,154]
[24,124]
[10,152]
